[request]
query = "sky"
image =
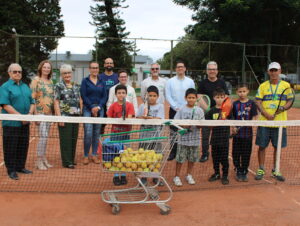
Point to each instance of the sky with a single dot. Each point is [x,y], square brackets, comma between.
[153,19]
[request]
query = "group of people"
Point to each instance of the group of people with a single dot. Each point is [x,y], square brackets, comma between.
[102,95]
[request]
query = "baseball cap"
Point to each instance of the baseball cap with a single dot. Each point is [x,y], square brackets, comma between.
[274,65]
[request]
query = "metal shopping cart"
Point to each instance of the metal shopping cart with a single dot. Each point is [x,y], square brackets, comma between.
[144,154]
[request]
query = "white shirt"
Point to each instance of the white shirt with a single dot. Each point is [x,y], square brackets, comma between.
[131,97]
[160,83]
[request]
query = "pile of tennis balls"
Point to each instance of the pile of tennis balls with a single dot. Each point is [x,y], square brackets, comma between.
[138,161]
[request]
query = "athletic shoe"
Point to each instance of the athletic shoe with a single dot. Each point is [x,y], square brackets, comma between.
[204,158]
[214,177]
[95,159]
[177,181]
[239,177]
[123,180]
[277,176]
[189,178]
[85,160]
[225,180]
[116,181]
[244,178]
[259,174]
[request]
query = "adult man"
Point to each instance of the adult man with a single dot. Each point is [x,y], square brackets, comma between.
[131,95]
[207,87]
[175,94]
[267,100]
[15,98]
[108,77]
[154,80]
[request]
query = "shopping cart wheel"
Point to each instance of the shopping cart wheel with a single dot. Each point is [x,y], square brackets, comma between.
[115,209]
[165,210]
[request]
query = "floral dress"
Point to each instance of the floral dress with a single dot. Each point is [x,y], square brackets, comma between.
[69,98]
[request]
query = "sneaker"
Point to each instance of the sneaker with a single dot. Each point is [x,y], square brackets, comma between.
[214,177]
[95,160]
[144,181]
[189,178]
[116,181]
[278,176]
[204,158]
[225,180]
[244,178]
[259,174]
[85,160]
[124,180]
[177,181]
[239,177]
[155,181]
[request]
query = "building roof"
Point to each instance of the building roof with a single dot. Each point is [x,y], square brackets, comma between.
[68,56]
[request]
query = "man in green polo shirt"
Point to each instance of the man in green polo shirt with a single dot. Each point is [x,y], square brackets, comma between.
[15,98]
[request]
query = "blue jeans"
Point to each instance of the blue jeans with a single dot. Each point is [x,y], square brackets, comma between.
[91,133]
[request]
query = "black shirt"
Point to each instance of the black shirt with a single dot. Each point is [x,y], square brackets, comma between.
[220,134]
[207,87]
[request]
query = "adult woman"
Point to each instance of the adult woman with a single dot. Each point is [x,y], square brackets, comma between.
[67,102]
[94,99]
[42,91]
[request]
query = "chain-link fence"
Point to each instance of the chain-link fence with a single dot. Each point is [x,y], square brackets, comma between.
[238,62]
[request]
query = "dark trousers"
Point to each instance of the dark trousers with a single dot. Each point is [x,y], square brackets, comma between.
[220,156]
[205,139]
[15,147]
[68,140]
[241,153]
[172,114]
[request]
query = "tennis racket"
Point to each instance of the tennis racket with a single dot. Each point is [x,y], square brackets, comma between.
[146,106]
[204,102]
[286,100]
[124,109]
[226,109]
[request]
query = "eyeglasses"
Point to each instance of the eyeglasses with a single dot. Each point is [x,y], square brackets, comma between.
[67,72]
[155,68]
[212,69]
[15,72]
[94,67]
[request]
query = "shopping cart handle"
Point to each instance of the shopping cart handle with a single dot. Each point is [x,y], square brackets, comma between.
[181,130]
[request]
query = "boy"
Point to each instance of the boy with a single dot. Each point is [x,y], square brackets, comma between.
[115,111]
[152,111]
[189,143]
[219,139]
[243,109]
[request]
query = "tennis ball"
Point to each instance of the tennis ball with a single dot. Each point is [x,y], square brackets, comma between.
[107,165]
[128,164]
[119,165]
[144,165]
[117,159]
[134,166]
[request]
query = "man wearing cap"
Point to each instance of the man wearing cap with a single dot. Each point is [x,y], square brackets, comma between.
[267,100]
[15,98]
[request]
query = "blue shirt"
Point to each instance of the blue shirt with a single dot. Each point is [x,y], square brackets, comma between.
[175,91]
[109,81]
[18,96]
[93,95]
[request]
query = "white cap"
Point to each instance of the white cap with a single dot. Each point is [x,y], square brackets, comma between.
[274,65]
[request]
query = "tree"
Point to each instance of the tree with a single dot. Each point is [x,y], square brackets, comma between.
[110,29]
[35,17]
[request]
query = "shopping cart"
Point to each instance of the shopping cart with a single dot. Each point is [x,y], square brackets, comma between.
[144,154]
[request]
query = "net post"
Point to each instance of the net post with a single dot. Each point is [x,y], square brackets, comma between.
[278,151]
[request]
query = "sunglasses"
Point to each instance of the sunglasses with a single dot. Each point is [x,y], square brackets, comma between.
[155,68]
[16,72]
[68,72]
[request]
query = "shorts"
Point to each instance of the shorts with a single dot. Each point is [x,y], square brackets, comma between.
[184,153]
[265,134]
